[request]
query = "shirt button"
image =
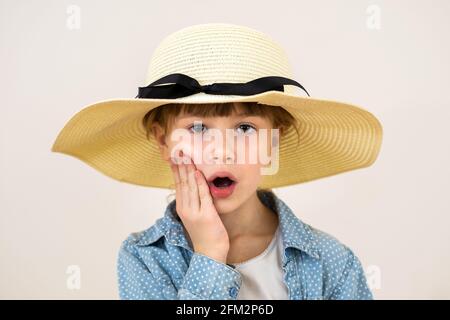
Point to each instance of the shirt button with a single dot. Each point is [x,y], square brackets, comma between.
[233,291]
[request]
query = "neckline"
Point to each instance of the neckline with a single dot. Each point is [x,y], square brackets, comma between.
[262,254]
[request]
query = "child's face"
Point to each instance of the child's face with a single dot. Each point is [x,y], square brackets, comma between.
[205,142]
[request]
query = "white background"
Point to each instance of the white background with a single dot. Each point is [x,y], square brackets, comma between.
[56,211]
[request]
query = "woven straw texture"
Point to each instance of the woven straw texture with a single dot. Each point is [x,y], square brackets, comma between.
[334,137]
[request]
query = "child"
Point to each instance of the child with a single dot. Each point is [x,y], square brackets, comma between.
[226,235]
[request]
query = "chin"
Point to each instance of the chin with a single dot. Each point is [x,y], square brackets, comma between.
[225,205]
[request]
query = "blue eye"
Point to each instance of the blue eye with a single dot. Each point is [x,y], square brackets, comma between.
[197,127]
[201,128]
[248,128]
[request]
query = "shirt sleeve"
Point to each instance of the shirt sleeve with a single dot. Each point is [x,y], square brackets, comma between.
[205,279]
[352,284]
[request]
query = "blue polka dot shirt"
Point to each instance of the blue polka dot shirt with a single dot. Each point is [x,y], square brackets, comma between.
[159,263]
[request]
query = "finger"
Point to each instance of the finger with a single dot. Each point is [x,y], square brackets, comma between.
[176,177]
[203,191]
[194,199]
[184,184]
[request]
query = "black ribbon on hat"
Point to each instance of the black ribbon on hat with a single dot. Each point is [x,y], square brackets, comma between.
[178,85]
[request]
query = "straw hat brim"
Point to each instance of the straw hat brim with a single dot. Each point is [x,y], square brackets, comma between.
[334,137]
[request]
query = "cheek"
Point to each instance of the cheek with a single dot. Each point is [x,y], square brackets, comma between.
[270,137]
[258,149]
[250,175]
[197,155]
[184,144]
[194,150]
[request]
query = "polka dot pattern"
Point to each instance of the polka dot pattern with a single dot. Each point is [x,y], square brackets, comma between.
[159,263]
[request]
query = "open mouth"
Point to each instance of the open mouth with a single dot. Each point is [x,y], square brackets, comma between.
[222,182]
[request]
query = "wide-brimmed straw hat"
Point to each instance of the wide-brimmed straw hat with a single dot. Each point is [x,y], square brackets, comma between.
[220,62]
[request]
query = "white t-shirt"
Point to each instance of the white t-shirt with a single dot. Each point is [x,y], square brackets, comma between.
[262,276]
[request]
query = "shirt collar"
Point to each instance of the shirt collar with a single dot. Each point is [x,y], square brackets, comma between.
[294,232]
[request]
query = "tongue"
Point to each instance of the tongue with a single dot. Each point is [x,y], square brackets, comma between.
[222,182]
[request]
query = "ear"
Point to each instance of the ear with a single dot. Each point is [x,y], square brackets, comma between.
[160,138]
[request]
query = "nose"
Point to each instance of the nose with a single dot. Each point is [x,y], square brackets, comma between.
[223,154]
[228,159]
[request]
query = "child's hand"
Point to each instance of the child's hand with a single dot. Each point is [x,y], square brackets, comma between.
[196,209]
